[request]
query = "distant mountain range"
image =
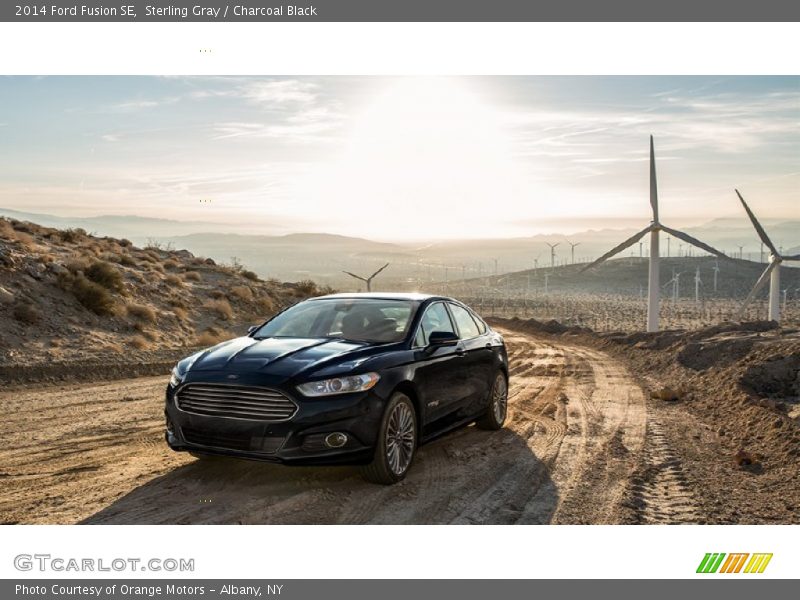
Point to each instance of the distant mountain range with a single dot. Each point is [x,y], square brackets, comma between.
[322,257]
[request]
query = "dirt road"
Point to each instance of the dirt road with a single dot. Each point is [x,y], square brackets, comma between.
[577,441]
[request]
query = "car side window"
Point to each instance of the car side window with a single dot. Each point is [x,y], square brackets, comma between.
[434,319]
[466,325]
[482,327]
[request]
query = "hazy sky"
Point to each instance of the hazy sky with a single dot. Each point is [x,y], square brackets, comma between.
[400,158]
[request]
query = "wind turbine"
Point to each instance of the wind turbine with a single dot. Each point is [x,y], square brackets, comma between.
[697,283]
[716,273]
[572,250]
[773,270]
[367,280]
[553,253]
[654,229]
[676,286]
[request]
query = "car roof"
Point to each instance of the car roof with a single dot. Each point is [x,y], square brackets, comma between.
[382,296]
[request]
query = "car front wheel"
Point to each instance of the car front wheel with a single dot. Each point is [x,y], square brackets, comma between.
[496,412]
[396,444]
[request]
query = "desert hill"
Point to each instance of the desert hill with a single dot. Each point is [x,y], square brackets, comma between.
[69,297]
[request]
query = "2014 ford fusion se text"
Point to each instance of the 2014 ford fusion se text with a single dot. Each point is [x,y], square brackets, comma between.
[342,379]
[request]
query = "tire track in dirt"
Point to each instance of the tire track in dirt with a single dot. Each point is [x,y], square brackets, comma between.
[661,494]
[96,453]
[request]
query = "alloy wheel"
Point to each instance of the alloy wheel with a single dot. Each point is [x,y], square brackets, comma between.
[400,438]
[500,399]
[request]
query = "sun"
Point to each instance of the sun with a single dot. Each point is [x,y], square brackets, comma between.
[425,158]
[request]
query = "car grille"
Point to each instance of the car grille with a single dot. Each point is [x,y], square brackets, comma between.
[213,439]
[239,402]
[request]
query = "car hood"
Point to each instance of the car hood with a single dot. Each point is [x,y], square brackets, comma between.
[286,357]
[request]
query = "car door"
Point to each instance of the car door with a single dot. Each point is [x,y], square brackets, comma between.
[478,360]
[438,373]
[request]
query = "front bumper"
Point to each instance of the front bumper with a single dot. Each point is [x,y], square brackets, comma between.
[299,440]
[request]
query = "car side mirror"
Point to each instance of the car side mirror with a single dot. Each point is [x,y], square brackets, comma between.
[251,329]
[438,339]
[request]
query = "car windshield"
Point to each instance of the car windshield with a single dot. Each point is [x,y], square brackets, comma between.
[356,319]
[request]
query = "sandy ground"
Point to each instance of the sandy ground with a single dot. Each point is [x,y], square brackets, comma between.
[578,448]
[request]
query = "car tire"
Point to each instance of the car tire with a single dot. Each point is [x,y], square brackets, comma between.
[495,415]
[396,444]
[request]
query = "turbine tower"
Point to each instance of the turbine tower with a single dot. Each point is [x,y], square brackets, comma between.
[572,250]
[697,283]
[773,270]
[367,280]
[654,229]
[716,274]
[552,253]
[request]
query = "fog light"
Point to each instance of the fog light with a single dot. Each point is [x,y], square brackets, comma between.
[335,440]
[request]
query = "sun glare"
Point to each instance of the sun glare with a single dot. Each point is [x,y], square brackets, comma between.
[425,159]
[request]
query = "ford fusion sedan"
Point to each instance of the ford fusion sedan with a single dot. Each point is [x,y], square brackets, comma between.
[342,379]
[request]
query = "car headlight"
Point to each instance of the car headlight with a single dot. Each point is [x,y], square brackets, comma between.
[339,385]
[176,378]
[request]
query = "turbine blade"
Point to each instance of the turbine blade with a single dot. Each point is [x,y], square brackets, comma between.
[378,271]
[757,287]
[354,275]
[617,249]
[694,242]
[759,230]
[792,257]
[653,183]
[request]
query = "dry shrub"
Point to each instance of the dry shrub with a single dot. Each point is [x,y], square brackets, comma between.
[125,243]
[27,227]
[222,308]
[77,265]
[105,274]
[92,248]
[25,240]
[139,342]
[306,287]
[142,313]
[6,230]
[174,280]
[170,264]
[46,259]
[211,337]
[192,276]
[156,267]
[90,294]
[249,275]
[72,236]
[150,335]
[178,301]
[266,305]
[242,292]
[26,313]
[126,260]
[180,313]
[217,294]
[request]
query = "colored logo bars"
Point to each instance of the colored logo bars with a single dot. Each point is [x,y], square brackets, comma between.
[713,563]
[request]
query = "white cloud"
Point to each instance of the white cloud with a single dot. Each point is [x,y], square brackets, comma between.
[280,92]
